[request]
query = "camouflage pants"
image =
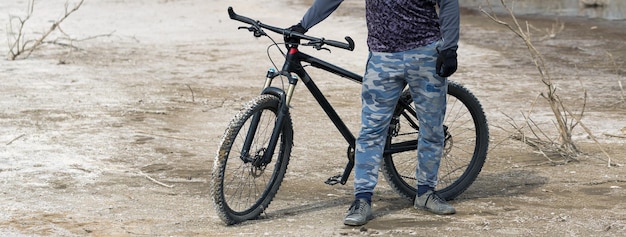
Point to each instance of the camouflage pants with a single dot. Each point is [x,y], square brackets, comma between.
[385,77]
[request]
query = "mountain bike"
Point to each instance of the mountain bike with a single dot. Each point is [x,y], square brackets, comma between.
[253,155]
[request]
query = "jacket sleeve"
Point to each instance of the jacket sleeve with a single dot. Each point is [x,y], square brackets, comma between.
[449,21]
[318,12]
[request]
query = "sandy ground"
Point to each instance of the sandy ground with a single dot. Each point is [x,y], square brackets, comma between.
[117,136]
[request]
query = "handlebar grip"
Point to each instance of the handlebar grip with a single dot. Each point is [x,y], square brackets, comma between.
[348,46]
[234,16]
[350,43]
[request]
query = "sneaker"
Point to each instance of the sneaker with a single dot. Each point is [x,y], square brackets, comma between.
[359,213]
[429,201]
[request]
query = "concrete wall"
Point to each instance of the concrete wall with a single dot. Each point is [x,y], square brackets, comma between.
[608,9]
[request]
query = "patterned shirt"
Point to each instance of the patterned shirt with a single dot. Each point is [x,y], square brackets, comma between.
[399,25]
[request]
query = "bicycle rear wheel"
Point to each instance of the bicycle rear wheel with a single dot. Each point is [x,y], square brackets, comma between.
[242,186]
[465,148]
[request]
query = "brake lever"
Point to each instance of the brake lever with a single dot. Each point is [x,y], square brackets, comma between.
[318,45]
[257,32]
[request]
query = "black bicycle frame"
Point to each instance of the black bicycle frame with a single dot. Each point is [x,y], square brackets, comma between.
[293,63]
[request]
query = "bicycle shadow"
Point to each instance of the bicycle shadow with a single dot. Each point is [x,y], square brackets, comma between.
[488,185]
[504,184]
[397,212]
[299,210]
[493,185]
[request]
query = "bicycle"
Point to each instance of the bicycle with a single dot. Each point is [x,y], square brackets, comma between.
[253,155]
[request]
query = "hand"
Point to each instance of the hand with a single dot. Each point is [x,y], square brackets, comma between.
[446,63]
[294,41]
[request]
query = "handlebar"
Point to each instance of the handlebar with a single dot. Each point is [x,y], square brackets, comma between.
[258,27]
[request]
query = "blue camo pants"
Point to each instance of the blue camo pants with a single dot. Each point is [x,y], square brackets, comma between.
[385,77]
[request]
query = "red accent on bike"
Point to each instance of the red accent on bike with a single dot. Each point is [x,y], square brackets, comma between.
[293,51]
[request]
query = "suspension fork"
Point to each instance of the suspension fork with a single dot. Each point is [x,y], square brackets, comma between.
[291,65]
[282,113]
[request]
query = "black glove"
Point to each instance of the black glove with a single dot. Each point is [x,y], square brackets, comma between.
[446,63]
[292,40]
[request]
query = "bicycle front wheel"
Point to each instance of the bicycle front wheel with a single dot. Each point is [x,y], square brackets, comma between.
[465,147]
[243,184]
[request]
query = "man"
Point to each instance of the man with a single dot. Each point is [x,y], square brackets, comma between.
[409,43]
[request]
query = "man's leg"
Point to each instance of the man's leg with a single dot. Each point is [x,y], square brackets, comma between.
[382,85]
[429,95]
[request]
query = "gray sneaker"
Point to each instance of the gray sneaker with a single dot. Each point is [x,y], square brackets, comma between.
[359,213]
[429,201]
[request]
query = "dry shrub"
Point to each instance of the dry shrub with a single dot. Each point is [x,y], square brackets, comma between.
[22,47]
[563,149]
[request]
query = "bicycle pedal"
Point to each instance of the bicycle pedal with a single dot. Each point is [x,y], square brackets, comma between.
[333,180]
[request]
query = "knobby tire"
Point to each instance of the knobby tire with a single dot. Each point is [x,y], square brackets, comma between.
[240,190]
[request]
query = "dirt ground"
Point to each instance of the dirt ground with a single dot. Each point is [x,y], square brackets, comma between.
[117,136]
